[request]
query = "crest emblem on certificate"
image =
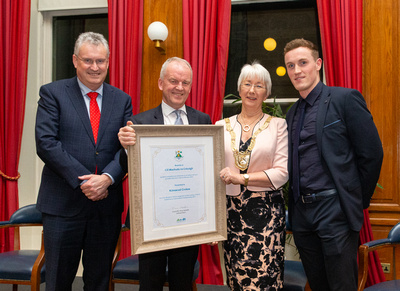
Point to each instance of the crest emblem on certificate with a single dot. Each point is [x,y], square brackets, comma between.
[178,155]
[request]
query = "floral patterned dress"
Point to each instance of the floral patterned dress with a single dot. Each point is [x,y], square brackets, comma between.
[255,248]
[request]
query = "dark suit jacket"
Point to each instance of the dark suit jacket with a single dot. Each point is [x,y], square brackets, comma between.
[155,116]
[65,143]
[349,146]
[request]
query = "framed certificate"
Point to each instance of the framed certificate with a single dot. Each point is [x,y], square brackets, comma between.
[176,196]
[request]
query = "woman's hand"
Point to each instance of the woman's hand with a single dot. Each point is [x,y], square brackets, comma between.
[228,177]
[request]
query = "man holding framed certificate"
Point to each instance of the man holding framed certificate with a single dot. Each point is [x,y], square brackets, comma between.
[175,83]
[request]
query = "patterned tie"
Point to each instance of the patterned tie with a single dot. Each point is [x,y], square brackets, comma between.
[296,142]
[178,117]
[94,114]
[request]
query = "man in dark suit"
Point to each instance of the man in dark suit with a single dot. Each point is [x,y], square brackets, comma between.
[175,83]
[335,157]
[80,194]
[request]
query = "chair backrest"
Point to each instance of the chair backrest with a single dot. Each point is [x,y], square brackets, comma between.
[25,267]
[26,215]
[394,234]
[392,242]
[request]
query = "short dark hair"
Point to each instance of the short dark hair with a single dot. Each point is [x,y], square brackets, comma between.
[301,42]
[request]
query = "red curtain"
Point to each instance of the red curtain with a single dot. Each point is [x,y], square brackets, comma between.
[206,30]
[125,26]
[341,35]
[14,48]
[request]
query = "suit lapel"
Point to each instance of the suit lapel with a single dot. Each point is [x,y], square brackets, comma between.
[289,120]
[291,114]
[75,95]
[158,116]
[106,109]
[192,116]
[322,110]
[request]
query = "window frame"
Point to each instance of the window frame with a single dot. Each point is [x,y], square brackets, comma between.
[47,37]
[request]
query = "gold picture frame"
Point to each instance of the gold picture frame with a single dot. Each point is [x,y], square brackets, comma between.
[177,198]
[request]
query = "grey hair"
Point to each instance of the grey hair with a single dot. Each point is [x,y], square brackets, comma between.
[91,38]
[175,59]
[255,70]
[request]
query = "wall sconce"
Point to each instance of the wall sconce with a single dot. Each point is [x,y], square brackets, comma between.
[158,32]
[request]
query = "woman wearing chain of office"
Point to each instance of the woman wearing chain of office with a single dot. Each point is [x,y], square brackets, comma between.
[256,152]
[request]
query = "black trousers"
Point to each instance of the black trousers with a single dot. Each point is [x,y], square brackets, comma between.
[65,238]
[326,244]
[180,262]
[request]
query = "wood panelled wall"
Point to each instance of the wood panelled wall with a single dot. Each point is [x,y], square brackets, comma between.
[170,13]
[381,89]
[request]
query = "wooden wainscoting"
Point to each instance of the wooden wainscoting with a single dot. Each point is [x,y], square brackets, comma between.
[170,13]
[381,89]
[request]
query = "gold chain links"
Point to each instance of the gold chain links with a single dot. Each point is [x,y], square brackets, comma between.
[242,158]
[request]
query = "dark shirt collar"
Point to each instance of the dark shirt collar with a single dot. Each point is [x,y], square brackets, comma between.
[313,95]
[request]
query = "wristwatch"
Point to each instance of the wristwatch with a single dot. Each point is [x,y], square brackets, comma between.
[246,179]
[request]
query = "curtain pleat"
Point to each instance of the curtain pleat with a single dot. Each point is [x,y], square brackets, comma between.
[125,26]
[206,31]
[14,49]
[341,25]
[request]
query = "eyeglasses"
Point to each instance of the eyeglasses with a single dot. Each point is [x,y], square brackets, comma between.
[89,62]
[248,86]
[176,83]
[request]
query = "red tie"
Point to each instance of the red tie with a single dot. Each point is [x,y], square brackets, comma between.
[94,114]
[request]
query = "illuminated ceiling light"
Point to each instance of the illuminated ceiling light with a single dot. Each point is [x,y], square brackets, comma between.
[270,44]
[280,71]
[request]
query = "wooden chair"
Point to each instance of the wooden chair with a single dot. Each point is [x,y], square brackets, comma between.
[23,267]
[391,242]
[126,271]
